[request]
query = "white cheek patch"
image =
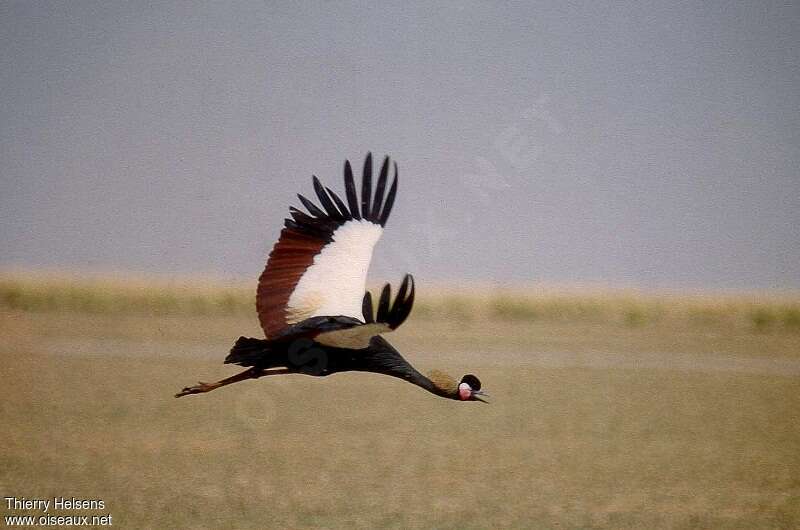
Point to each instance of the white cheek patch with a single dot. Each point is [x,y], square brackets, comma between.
[335,282]
[464,391]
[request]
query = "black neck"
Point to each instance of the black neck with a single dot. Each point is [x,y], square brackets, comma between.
[386,360]
[413,376]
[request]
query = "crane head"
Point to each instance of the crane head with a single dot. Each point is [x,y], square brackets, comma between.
[470,389]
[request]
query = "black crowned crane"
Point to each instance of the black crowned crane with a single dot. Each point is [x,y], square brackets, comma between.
[311,300]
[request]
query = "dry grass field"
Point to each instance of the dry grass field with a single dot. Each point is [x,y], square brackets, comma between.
[609,410]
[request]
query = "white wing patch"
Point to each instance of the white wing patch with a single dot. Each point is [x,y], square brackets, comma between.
[335,282]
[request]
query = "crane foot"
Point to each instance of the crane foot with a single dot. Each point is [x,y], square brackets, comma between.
[199,388]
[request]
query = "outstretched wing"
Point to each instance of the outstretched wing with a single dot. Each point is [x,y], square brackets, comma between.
[389,317]
[319,265]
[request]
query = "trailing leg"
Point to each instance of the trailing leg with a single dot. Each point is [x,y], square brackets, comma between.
[250,373]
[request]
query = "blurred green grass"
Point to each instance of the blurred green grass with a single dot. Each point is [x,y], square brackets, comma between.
[755,312]
[103,297]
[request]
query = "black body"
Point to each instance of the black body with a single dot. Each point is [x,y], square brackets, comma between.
[297,351]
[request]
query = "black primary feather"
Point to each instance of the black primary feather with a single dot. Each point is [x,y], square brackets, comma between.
[339,204]
[403,305]
[314,225]
[326,201]
[391,313]
[387,208]
[311,207]
[305,219]
[379,189]
[350,190]
[366,308]
[383,304]
[400,298]
[366,187]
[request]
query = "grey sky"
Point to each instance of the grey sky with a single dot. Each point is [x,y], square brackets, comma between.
[648,143]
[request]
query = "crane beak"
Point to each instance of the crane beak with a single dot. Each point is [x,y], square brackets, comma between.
[476,395]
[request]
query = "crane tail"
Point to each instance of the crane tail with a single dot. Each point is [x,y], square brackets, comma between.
[248,352]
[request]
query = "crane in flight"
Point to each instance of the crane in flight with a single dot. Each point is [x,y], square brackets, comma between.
[312,302]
